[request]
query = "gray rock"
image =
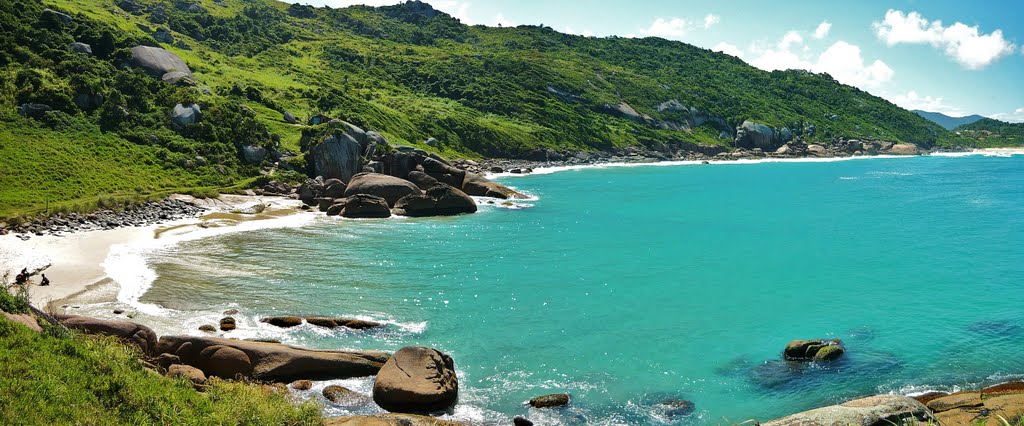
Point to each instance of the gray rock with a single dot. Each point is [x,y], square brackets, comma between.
[163,35]
[289,118]
[80,47]
[756,135]
[871,411]
[157,62]
[337,156]
[34,110]
[311,189]
[334,188]
[253,154]
[422,180]
[61,17]
[439,200]
[176,77]
[185,115]
[360,206]
[387,187]
[431,142]
[416,380]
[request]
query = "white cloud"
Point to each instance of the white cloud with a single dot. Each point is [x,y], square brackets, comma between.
[912,100]
[711,20]
[967,45]
[1016,116]
[584,33]
[728,49]
[791,38]
[822,31]
[673,28]
[500,20]
[843,61]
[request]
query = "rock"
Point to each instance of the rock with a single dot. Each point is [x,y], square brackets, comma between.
[252,154]
[956,400]
[756,135]
[140,335]
[271,361]
[227,324]
[439,200]
[311,189]
[806,350]
[79,47]
[431,142]
[277,187]
[871,411]
[446,173]
[1008,387]
[231,312]
[343,396]
[496,169]
[390,188]
[334,188]
[165,361]
[163,35]
[422,180]
[26,320]
[302,385]
[673,408]
[183,115]
[289,118]
[816,150]
[390,419]
[189,372]
[157,62]
[904,149]
[927,397]
[339,155]
[480,186]
[178,77]
[342,322]
[360,206]
[553,400]
[284,322]
[57,16]
[416,380]
[399,164]
[36,111]
[521,421]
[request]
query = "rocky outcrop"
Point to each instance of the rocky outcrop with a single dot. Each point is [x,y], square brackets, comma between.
[360,206]
[988,406]
[137,334]
[339,154]
[480,186]
[439,200]
[813,350]
[269,361]
[904,149]
[157,62]
[389,420]
[548,401]
[79,47]
[311,189]
[390,188]
[756,135]
[417,380]
[876,410]
[28,320]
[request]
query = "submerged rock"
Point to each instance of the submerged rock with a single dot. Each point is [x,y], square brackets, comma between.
[342,322]
[553,400]
[817,350]
[391,419]
[417,380]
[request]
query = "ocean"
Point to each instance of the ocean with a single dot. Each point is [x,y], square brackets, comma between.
[630,286]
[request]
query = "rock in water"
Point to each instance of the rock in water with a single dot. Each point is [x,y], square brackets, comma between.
[480,186]
[439,200]
[360,206]
[227,324]
[521,421]
[871,411]
[816,350]
[416,380]
[547,401]
[142,336]
[302,385]
[343,396]
[342,322]
[390,188]
[157,62]
[390,419]
[283,322]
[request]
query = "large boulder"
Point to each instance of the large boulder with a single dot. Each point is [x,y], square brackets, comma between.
[28,320]
[269,361]
[904,149]
[480,186]
[63,18]
[311,189]
[183,115]
[252,154]
[328,322]
[399,164]
[871,411]
[157,62]
[422,180]
[334,188]
[360,206]
[443,172]
[79,47]
[756,135]
[439,200]
[143,337]
[192,374]
[337,156]
[416,380]
[390,188]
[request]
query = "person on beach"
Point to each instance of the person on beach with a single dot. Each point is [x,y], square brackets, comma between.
[22,277]
[45,281]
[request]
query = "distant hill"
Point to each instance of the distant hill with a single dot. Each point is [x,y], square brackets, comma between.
[989,132]
[946,121]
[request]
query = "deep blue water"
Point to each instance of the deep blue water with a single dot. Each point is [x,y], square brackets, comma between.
[628,286]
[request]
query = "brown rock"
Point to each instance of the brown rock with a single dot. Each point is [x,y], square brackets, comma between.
[553,400]
[224,361]
[927,397]
[227,324]
[165,361]
[439,200]
[871,411]
[342,322]
[343,396]
[480,186]
[28,320]
[1008,387]
[284,322]
[302,385]
[805,350]
[360,206]
[416,380]
[390,419]
[187,371]
[956,400]
[140,335]
[390,188]
[207,328]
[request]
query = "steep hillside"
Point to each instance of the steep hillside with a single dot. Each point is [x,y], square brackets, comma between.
[946,121]
[407,71]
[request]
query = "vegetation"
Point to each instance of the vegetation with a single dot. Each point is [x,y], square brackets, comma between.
[992,133]
[406,71]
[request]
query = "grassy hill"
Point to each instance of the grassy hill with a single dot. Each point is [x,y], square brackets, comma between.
[994,133]
[406,71]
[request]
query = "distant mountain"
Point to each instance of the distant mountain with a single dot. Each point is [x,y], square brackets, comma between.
[946,121]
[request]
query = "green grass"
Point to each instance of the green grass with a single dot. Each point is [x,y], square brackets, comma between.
[58,377]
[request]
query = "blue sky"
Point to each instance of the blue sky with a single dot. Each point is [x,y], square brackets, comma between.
[953,57]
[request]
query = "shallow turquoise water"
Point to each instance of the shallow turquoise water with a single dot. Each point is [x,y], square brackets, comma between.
[628,286]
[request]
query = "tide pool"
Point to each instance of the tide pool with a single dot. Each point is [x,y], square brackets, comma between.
[625,287]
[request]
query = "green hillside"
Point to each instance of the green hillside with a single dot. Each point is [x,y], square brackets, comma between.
[407,71]
[989,132]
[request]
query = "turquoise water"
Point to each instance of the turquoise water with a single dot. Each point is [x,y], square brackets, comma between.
[628,286]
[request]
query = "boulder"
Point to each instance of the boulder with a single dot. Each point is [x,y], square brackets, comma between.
[422,180]
[360,206]
[416,380]
[209,328]
[480,186]
[183,115]
[390,188]
[816,150]
[871,411]
[178,77]
[904,149]
[521,421]
[189,372]
[756,135]
[342,322]
[79,47]
[163,35]
[302,385]
[311,189]
[140,335]
[277,187]
[270,361]
[390,419]
[34,110]
[252,154]
[57,16]
[228,324]
[399,164]
[165,361]
[283,321]
[343,396]
[26,320]
[334,188]
[443,172]
[439,200]
[337,156]
[816,350]
[290,118]
[553,400]
[157,62]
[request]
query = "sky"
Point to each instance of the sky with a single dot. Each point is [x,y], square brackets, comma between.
[953,57]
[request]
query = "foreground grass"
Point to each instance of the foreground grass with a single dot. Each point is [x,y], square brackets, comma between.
[62,378]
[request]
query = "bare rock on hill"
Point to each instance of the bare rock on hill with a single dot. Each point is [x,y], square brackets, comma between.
[439,200]
[390,188]
[183,115]
[157,62]
[870,411]
[480,186]
[339,154]
[79,47]
[140,335]
[270,361]
[417,380]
